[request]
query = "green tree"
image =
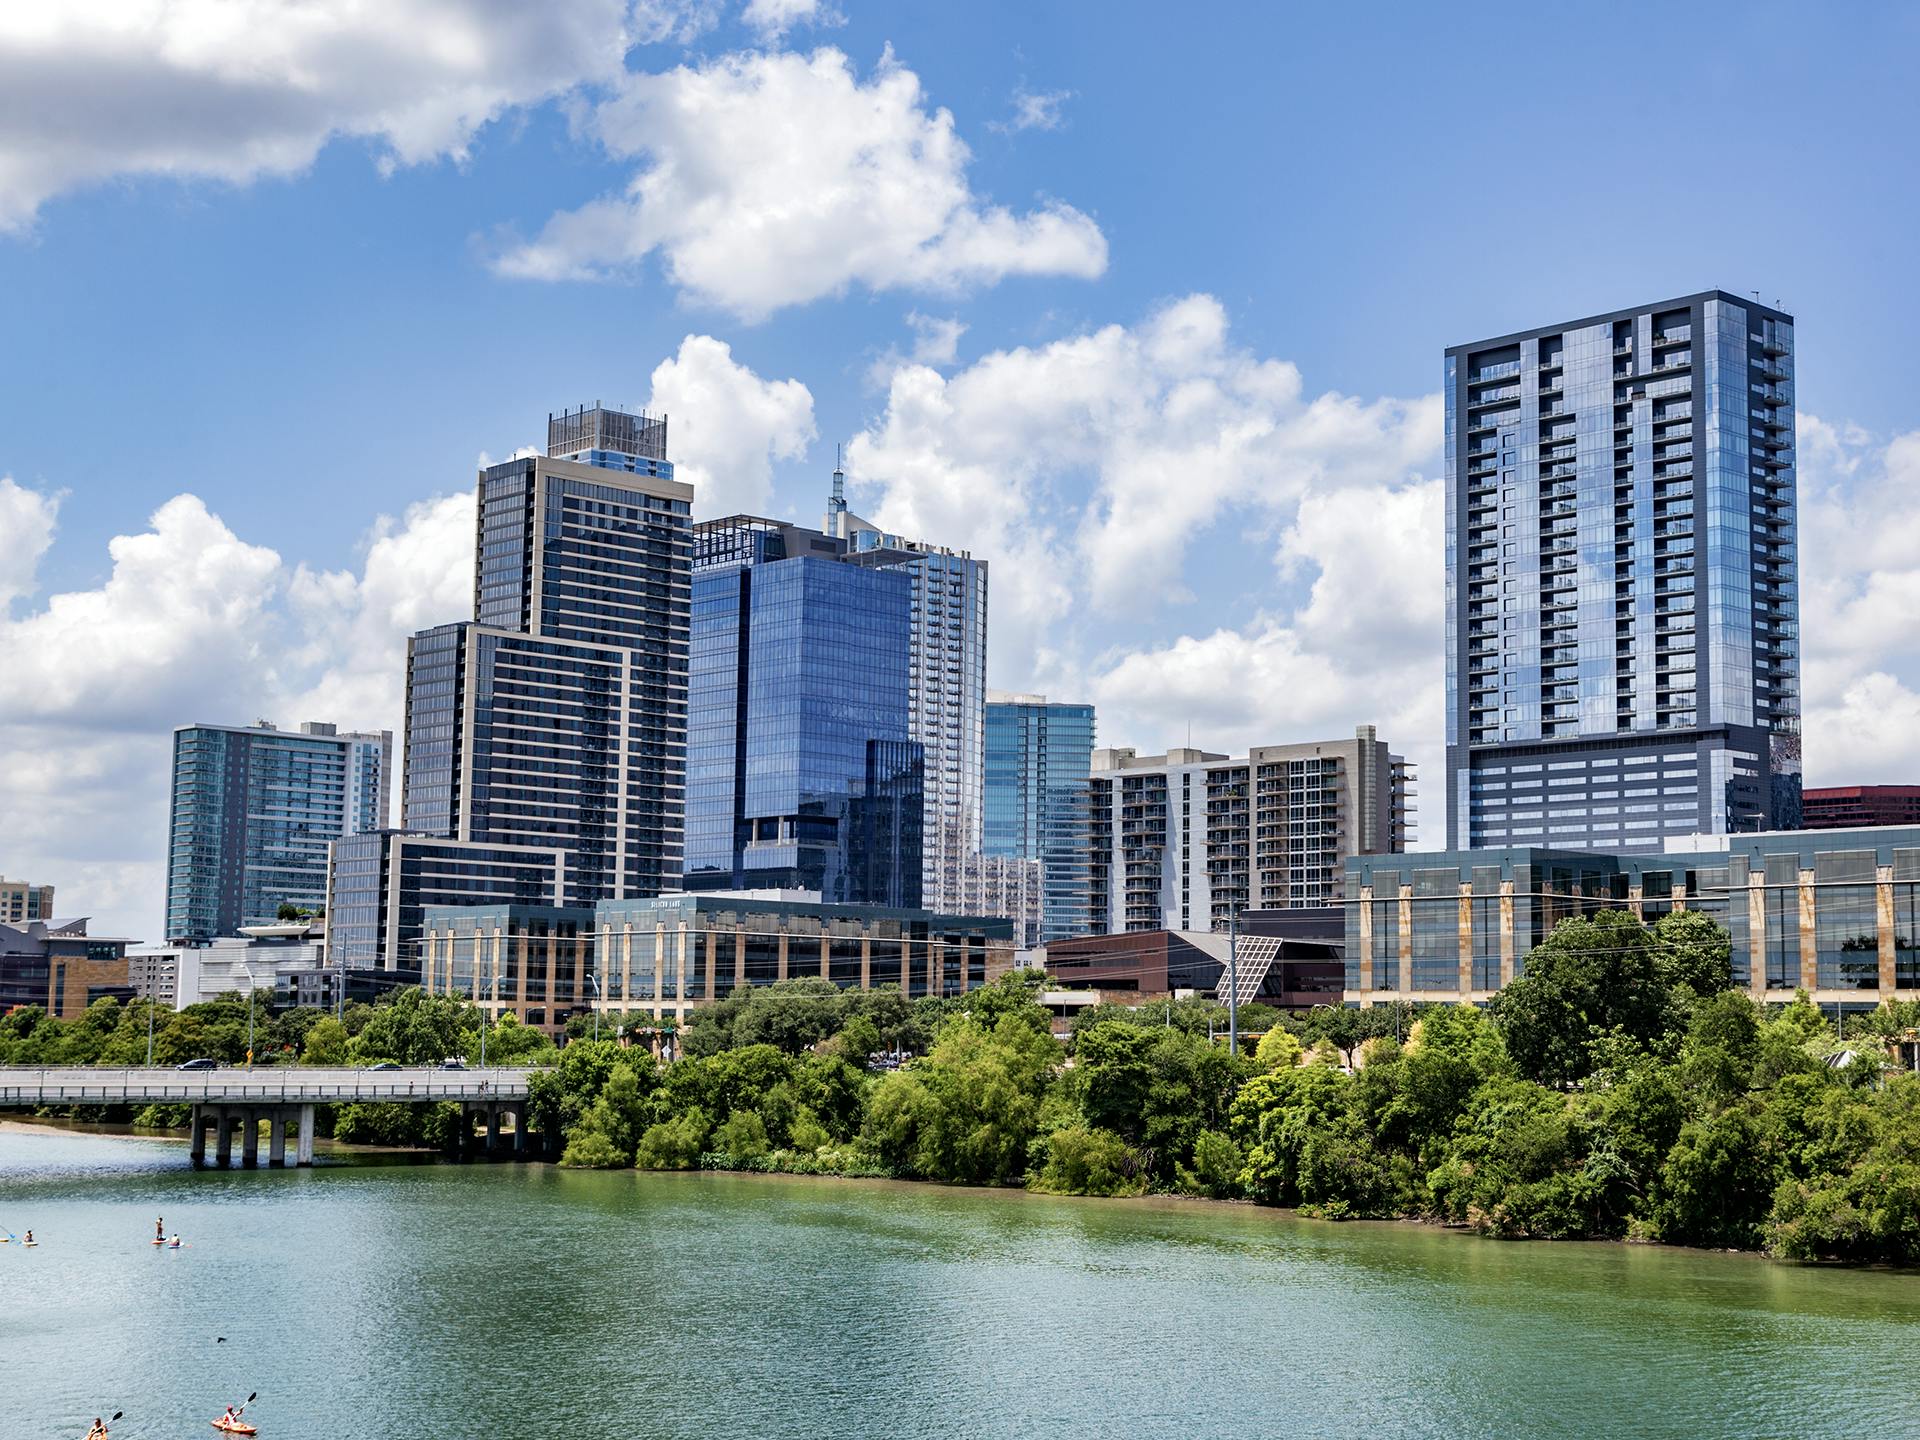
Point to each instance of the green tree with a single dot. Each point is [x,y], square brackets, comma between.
[1591,976]
[1691,950]
[743,1136]
[1081,1161]
[968,1111]
[675,1144]
[327,1043]
[609,1133]
[1718,1181]
[511,1042]
[412,1027]
[1279,1049]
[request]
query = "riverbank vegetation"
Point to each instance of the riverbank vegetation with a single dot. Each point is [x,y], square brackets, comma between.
[1619,1089]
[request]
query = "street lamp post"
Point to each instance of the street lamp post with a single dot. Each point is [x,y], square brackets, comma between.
[250,984]
[594,980]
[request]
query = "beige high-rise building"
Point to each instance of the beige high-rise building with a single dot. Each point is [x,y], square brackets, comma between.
[21,901]
[1185,840]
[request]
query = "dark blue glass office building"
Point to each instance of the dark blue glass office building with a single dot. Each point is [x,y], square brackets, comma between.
[800,770]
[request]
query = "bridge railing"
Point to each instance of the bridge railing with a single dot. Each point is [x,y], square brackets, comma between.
[288,1085]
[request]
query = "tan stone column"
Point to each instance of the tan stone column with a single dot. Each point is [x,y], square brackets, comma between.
[680,963]
[1406,940]
[1883,918]
[1466,940]
[826,954]
[866,962]
[1809,948]
[781,973]
[1366,938]
[1506,932]
[1757,933]
[1636,903]
[739,956]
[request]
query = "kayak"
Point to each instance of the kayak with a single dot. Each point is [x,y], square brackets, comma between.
[239,1427]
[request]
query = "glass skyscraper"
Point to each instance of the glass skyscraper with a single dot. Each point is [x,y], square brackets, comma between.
[253,811]
[1039,757]
[1622,603]
[801,770]
[948,694]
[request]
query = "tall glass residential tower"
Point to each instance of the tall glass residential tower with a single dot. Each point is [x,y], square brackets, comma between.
[801,773]
[1039,757]
[1622,600]
[254,809]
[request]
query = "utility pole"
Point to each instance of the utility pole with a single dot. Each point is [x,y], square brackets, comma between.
[1233,981]
[594,980]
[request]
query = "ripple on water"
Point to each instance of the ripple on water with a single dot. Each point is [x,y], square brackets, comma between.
[367,1301]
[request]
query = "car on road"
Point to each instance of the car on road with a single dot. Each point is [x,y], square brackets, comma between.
[201,1063]
[386,1065]
[453,1064]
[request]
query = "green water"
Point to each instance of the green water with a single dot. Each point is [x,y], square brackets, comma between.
[391,1300]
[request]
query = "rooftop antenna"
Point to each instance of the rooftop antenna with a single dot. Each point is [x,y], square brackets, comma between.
[837,500]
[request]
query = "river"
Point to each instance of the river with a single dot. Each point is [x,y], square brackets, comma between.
[364,1299]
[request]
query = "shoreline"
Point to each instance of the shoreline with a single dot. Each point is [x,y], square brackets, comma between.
[1153,1200]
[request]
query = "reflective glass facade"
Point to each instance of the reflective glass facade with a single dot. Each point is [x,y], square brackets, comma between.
[801,770]
[381,885]
[947,670]
[253,811]
[1835,913]
[1039,757]
[1622,611]
[672,952]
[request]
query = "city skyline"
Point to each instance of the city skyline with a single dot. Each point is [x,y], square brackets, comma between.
[1204,459]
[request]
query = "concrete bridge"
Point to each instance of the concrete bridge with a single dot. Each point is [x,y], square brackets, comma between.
[235,1101]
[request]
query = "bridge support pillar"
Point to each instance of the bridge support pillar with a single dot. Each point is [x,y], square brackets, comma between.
[198,1150]
[224,1122]
[250,1137]
[493,1132]
[277,1137]
[303,1154]
[519,1132]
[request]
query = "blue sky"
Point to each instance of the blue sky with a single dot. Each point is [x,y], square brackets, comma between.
[1166,353]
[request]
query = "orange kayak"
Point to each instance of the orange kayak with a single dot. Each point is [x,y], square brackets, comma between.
[238,1427]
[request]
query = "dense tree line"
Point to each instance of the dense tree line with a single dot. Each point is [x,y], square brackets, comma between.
[1619,1088]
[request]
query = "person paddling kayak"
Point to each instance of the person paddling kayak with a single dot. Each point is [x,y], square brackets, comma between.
[29,1240]
[99,1430]
[174,1243]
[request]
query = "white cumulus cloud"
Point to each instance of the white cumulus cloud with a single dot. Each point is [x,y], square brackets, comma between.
[769,180]
[1859,592]
[232,90]
[26,530]
[774,18]
[726,426]
[1114,449]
